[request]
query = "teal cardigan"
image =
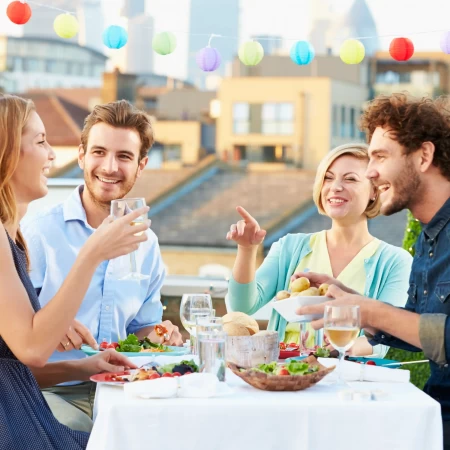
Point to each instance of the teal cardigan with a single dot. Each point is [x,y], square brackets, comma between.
[387,278]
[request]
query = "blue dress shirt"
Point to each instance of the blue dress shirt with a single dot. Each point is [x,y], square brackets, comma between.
[111,308]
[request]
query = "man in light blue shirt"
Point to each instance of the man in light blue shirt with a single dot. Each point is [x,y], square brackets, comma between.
[115,142]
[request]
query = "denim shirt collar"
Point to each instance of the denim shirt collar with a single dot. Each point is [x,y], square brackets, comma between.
[438,222]
[73,207]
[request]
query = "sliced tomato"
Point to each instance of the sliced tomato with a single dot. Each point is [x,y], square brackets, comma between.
[293,345]
[283,372]
[153,376]
[104,345]
[371,363]
[176,374]
[113,345]
[167,374]
[282,346]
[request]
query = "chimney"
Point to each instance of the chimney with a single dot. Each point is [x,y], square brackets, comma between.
[118,86]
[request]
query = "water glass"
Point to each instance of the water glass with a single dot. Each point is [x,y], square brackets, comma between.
[211,350]
[120,208]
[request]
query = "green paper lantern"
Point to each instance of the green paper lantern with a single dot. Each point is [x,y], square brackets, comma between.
[66,26]
[352,51]
[251,53]
[164,43]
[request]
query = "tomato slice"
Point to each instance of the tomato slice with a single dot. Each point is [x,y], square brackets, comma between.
[167,374]
[113,345]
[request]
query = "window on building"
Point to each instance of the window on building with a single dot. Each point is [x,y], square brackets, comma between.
[172,152]
[343,122]
[50,66]
[278,118]
[352,123]
[335,120]
[241,118]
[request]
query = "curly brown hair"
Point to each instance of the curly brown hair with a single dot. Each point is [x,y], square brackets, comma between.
[413,121]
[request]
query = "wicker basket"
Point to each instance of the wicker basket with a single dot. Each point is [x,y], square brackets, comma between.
[267,382]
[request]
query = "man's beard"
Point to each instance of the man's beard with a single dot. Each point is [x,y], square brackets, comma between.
[406,190]
[106,204]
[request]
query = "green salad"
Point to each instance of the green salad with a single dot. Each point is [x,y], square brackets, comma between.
[291,368]
[133,345]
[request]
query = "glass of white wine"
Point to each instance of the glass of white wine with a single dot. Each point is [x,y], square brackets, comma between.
[341,325]
[120,208]
[192,307]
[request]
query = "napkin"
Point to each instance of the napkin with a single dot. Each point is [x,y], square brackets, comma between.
[196,385]
[352,371]
[158,388]
[199,385]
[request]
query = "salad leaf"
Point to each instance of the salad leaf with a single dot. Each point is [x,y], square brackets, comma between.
[300,368]
[182,367]
[322,352]
[130,344]
[129,348]
[268,368]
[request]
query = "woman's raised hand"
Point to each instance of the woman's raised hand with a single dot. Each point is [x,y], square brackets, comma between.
[247,232]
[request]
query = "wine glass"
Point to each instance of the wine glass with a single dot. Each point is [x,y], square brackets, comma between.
[120,208]
[341,325]
[194,306]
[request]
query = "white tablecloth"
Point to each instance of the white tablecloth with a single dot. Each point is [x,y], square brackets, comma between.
[315,419]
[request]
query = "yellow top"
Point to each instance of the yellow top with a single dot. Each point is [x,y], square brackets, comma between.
[353,275]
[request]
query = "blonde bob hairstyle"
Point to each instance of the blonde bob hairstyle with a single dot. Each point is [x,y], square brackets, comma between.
[358,151]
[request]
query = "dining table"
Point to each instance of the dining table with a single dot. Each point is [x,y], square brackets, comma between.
[317,418]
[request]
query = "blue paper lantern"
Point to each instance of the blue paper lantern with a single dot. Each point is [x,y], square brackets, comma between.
[208,59]
[445,42]
[115,36]
[302,53]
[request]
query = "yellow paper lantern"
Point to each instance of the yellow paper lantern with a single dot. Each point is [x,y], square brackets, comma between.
[66,26]
[251,53]
[352,51]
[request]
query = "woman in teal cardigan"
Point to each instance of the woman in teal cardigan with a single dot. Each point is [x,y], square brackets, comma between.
[346,252]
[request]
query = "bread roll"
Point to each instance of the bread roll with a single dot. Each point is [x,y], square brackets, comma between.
[231,316]
[235,329]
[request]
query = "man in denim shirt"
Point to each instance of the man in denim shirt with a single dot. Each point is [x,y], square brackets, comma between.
[410,164]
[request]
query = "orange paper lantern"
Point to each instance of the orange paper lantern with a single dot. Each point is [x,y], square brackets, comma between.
[401,49]
[18,12]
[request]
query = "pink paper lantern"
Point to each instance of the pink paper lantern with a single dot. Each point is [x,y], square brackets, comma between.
[208,59]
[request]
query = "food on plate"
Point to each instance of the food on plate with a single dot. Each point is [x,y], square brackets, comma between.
[323,288]
[282,295]
[311,292]
[300,284]
[133,345]
[291,368]
[292,346]
[239,324]
[184,367]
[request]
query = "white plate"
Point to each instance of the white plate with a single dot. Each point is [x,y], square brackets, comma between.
[286,308]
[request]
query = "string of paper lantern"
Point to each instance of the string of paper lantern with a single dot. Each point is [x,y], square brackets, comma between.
[208,59]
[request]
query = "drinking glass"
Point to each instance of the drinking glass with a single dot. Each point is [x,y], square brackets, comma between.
[191,307]
[207,324]
[120,208]
[211,350]
[341,326]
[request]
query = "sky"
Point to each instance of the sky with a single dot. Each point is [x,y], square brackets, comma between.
[423,22]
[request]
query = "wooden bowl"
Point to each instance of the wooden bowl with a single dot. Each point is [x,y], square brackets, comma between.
[267,382]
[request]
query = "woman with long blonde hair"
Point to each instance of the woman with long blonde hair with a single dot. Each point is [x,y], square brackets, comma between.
[347,251]
[28,334]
